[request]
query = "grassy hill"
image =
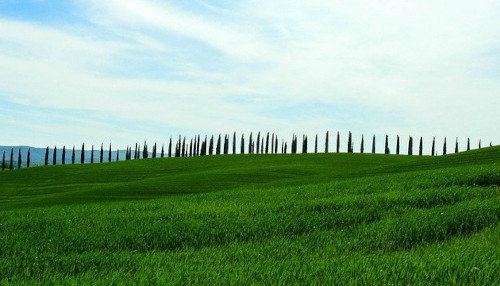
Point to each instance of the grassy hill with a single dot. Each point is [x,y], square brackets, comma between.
[326,218]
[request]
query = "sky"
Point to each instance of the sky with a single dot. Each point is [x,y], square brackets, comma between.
[121,72]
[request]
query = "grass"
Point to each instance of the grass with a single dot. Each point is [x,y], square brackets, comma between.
[265,219]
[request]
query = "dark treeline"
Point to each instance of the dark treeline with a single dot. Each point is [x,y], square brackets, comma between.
[263,143]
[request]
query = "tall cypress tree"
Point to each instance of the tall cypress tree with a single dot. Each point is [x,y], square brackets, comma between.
[349,143]
[145,152]
[92,155]
[191,147]
[326,141]
[117,155]
[110,153]
[272,144]
[3,161]
[456,145]
[47,156]
[28,159]
[82,154]
[316,144]
[338,142]
[410,146]
[387,151]
[282,146]
[304,145]
[63,158]
[468,144]
[479,143]
[101,154]
[250,142]
[170,147]
[286,147]
[19,159]
[258,142]
[421,147]
[373,145]
[184,146]
[362,147]
[162,151]
[234,142]
[217,148]
[11,163]
[433,150]
[242,144]
[54,156]
[136,151]
[397,145]
[444,146]
[73,156]
[226,144]
[262,145]
[198,145]
[267,143]
[276,144]
[211,146]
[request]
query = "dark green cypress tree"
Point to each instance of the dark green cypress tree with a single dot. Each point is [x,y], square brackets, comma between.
[326,141]
[211,146]
[444,146]
[250,142]
[362,147]
[11,163]
[456,145]
[468,144]
[226,144]
[63,158]
[267,143]
[191,147]
[218,147]
[258,143]
[82,154]
[28,159]
[479,143]
[276,144]
[73,156]
[373,145]
[92,155]
[433,150]
[421,147]
[387,151]
[304,145]
[117,155]
[198,145]
[410,146]
[282,146]
[19,159]
[170,147]
[234,142]
[110,153]
[101,154]
[183,146]
[54,156]
[262,145]
[316,144]
[338,142]
[272,144]
[162,151]
[349,143]
[491,143]
[3,161]
[397,145]
[242,144]
[47,156]
[286,147]
[136,151]
[145,152]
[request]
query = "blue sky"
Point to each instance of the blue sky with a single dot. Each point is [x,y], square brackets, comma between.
[127,71]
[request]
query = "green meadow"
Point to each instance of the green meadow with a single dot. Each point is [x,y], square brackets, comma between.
[329,219]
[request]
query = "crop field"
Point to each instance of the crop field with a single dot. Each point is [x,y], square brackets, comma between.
[255,219]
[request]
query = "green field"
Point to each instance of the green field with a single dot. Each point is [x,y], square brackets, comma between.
[261,219]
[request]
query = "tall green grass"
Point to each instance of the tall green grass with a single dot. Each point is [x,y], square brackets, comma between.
[303,219]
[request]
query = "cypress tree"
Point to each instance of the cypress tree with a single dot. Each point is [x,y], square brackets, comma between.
[82,154]
[326,142]
[54,156]
[433,151]
[217,148]
[3,161]
[226,144]
[47,156]
[491,143]
[444,146]
[154,151]
[191,147]
[145,152]
[162,151]
[101,154]
[468,144]
[362,147]
[234,142]
[198,145]
[267,143]
[456,145]
[258,142]
[410,146]
[19,159]
[262,145]
[272,144]
[73,156]
[276,145]
[250,143]
[397,145]
[282,146]
[63,158]
[304,144]
[242,144]
[373,145]
[110,153]
[421,147]
[92,155]
[387,151]
[28,159]
[170,147]
[349,143]
[117,155]
[286,147]
[316,144]
[479,143]
[338,142]
[11,163]
[211,146]
[135,152]
[184,146]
